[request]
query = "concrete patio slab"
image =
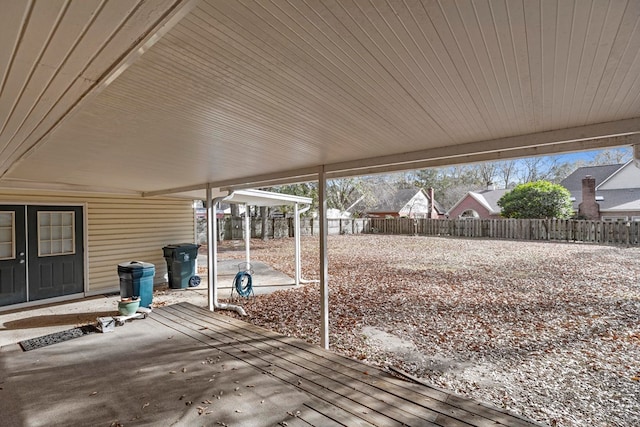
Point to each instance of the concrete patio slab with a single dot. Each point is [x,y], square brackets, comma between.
[143,373]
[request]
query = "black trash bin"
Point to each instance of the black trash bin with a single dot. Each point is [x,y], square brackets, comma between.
[181,265]
[136,280]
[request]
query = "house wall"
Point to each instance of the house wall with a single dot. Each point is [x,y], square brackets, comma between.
[470,203]
[627,177]
[417,207]
[120,229]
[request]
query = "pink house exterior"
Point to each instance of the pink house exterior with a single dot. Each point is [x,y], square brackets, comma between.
[478,205]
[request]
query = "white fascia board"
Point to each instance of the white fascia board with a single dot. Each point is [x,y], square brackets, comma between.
[264,198]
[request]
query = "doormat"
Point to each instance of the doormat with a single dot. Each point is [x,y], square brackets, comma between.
[57,337]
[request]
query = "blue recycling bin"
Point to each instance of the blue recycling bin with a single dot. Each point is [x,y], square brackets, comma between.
[136,280]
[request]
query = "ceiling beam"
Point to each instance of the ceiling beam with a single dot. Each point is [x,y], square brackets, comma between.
[583,138]
[17,184]
[551,149]
[569,138]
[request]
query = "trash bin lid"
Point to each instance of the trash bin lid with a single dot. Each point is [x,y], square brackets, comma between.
[182,246]
[135,265]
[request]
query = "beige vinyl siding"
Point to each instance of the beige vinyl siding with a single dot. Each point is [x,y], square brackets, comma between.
[120,229]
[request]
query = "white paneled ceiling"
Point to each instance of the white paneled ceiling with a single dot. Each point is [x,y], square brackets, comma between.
[236,92]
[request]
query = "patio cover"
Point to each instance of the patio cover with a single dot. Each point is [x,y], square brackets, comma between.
[183,97]
[171,96]
[248,198]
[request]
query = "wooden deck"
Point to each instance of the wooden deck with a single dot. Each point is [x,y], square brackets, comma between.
[341,391]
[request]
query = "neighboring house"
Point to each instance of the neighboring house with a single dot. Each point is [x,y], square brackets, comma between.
[411,203]
[478,205]
[608,193]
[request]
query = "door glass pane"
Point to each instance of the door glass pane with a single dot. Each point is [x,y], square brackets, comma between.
[6,219]
[6,251]
[56,233]
[56,246]
[45,248]
[7,235]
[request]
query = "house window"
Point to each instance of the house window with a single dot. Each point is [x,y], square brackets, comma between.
[635,218]
[7,235]
[56,234]
[614,218]
[469,214]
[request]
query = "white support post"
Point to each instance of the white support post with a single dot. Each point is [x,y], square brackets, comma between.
[247,235]
[296,231]
[324,267]
[212,244]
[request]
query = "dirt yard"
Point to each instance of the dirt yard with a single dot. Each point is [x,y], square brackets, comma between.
[550,331]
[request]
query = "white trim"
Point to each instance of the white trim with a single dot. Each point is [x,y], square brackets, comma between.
[13,236]
[264,198]
[324,257]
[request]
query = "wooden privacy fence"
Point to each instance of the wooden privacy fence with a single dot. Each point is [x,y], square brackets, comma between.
[603,232]
[566,230]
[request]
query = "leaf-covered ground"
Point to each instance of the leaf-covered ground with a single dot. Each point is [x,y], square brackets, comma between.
[547,330]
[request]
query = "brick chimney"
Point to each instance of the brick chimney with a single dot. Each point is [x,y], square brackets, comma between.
[589,209]
[433,212]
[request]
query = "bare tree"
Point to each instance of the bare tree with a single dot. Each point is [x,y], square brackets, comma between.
[506,172]
[487,172]
[532,169]
[612,156]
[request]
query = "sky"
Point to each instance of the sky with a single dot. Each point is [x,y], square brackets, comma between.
[587,156]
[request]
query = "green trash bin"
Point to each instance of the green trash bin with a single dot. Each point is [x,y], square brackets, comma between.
[181,265]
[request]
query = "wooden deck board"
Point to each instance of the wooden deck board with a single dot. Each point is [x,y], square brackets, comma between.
[341,386]
[344,391]
[283,371]
[350,371]
[347,379]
